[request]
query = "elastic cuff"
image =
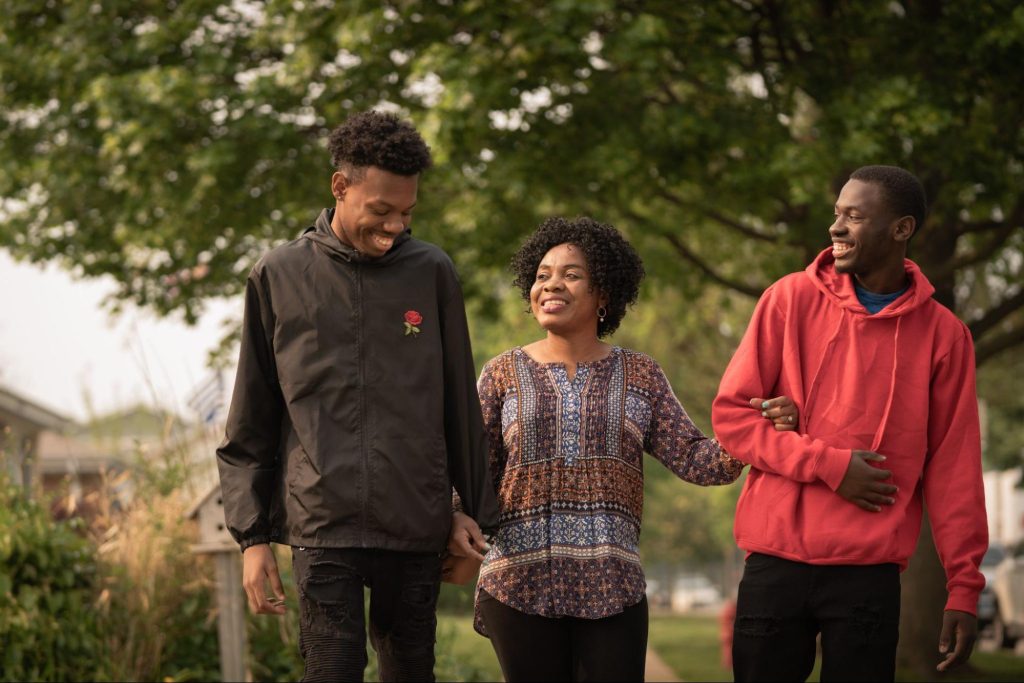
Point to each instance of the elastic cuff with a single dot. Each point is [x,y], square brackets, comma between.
[963,601]
[832,465]
[255,540]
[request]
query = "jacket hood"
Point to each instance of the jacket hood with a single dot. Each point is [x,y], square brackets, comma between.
[323,235]
[839,288]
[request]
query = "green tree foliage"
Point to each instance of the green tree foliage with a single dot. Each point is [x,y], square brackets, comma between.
[48,591]
[168,143]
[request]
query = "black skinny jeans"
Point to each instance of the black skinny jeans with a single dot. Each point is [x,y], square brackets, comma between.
[403,620]
[536,648]
[782,606]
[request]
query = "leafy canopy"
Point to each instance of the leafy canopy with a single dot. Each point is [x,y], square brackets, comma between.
[168,144]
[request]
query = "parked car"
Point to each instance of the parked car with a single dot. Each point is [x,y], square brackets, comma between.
[1008,588]
[995,554]
[691,591]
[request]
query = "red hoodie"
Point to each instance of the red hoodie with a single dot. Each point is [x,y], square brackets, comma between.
[900,383]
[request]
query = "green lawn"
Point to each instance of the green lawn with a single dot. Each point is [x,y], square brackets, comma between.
[690,646]
[462,653]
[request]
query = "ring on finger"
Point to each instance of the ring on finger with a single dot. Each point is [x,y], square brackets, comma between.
[790,418]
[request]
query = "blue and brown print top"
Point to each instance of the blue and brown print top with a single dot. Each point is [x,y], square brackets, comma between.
[567,461]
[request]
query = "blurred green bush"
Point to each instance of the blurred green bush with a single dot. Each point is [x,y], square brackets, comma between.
[49,584]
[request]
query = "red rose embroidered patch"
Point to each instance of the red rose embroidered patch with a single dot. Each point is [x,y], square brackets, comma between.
[412,320]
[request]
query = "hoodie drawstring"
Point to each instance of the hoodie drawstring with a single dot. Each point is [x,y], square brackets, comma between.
[813,391]
[880,432]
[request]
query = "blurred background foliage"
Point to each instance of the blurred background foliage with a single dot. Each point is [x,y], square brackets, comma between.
[169,143]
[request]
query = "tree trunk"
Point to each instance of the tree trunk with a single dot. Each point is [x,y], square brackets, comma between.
[924,581]
[921,606]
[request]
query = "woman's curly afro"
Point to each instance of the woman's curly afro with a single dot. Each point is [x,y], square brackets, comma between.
[374,138]
[614,266]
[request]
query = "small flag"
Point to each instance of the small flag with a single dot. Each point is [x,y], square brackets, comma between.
[208,398]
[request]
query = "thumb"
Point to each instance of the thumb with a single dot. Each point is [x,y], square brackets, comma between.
[275,583]
[945,636]
[756,403]
[874,457]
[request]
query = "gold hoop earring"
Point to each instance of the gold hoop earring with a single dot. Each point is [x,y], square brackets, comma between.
[601,313]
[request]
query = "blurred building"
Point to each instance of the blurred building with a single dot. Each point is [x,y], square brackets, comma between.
[21,423]
[64,462]
[1004,502]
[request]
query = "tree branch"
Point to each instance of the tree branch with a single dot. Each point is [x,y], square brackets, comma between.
[1016,217]
[689,255]
[997,314]
[979,255]
[967,228]
[716,216]
[993,345]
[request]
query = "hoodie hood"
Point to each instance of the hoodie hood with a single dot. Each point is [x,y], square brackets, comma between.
[323,235]
[838,287]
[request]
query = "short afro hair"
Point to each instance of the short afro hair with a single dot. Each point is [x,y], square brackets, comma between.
[374,138]
[614,266]
[904,193]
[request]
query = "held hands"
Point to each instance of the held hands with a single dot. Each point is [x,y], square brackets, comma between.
[781,411]
[466,539]
[962,628]
[863,485]
[259,566]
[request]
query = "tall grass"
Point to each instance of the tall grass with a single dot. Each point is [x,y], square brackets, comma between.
[155,603]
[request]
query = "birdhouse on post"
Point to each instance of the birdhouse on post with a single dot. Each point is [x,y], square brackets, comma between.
[215,540]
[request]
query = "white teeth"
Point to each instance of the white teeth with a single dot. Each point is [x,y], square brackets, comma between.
[839,248]
[553,305]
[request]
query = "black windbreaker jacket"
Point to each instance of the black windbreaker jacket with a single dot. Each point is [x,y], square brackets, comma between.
[345,431]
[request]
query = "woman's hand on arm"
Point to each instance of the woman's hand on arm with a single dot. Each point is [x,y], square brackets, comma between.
[780,410]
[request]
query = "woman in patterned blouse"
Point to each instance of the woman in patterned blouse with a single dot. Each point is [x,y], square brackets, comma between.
[568,417]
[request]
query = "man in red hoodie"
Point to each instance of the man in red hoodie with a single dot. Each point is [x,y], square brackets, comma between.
[830,514]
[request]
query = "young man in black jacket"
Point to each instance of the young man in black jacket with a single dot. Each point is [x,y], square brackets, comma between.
[354,414]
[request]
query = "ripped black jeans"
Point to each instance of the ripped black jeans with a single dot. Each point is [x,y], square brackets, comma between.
[403,620]
[782,606]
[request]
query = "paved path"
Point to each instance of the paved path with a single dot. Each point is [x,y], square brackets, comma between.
[657,670]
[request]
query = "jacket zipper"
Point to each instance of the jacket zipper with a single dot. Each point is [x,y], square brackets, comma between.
[362,406]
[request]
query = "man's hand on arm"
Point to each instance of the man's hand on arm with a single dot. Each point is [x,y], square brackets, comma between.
[960,629]
[863,484]
[258,566]
[466,539]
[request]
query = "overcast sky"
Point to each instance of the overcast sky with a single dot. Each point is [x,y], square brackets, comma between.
[57,345]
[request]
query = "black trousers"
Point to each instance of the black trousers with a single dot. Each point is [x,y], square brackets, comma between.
[783,606]
[403,620]
[535,648]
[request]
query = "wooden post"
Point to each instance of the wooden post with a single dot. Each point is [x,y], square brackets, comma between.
[216,541]
[231,620]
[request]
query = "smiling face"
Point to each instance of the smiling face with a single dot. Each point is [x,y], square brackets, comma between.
[372,212]
[563,298]
[868,240]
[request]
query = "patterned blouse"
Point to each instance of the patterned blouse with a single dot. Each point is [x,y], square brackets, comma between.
[567,461]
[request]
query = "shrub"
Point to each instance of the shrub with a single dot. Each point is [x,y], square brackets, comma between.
[48,589]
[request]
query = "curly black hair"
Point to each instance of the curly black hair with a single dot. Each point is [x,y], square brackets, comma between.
[904,193]
[615,268]
[373,138]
